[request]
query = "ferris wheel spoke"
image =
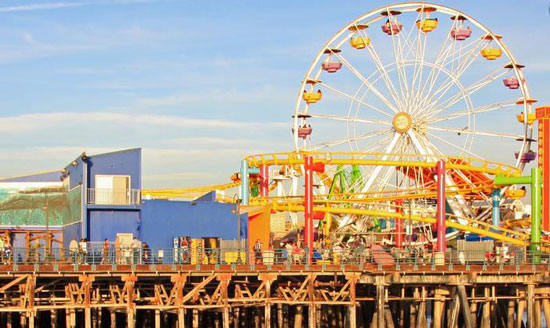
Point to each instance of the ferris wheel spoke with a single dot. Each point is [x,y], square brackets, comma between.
[367,83]
[348,119]
[456,65]
[478,133]
[378,168]
[418,72]
[455,75]
[341,141]
[447,142]
[441,57]
[398,53]
[385,76]
[468,91]
[474,111]
[342,93]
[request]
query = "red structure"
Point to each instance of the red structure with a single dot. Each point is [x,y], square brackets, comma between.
[399,225]
[264,181]
[543,117]
[440,217]
[309,167]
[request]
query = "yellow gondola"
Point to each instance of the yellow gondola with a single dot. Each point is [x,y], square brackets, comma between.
[530,118]
[312,97]
[359,42]
[491,53]
[427,25]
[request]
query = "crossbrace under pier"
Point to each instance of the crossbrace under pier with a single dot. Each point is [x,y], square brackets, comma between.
[278,296]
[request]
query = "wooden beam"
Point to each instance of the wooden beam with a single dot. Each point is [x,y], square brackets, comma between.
[157,318]
[454,310]
[12,283]
[530,306]
[464,307]
[198,287]
[380,304]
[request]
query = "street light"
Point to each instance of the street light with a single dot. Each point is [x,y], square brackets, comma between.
[236,209]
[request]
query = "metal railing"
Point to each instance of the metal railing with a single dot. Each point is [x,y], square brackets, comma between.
[106,196]
[96,255]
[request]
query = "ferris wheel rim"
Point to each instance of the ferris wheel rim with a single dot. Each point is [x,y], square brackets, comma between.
[528,129]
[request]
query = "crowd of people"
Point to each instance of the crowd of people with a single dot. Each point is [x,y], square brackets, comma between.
[5,250]
[358,251]
[136,252]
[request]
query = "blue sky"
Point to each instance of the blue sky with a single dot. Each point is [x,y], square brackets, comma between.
[197,84]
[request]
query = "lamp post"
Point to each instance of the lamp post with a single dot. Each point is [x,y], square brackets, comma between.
[236,210]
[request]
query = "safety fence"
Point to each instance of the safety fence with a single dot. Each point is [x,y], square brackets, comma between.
[95,255]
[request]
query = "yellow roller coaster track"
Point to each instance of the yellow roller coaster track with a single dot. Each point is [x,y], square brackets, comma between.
[377,159]
[478,227]
[332,203]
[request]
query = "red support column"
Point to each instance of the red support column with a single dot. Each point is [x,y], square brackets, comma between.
[264,181]
[399,224]
[308,207]
[543,115]
[440,215]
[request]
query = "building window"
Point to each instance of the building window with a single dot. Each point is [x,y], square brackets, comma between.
[112,189]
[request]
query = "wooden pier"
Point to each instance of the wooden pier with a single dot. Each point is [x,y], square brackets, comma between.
[279,296]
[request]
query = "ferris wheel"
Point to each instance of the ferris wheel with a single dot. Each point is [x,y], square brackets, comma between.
[419,79]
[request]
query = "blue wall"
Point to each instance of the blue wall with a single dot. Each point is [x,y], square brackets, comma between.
[107,223]
[69,232]
[162,219]
[53,176]
[124,162]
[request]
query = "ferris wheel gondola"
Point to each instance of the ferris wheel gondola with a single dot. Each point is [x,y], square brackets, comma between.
[402,80]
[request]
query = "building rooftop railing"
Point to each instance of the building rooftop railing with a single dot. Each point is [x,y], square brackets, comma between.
[106,196]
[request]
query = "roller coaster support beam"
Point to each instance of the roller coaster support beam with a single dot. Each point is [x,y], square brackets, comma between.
[399,224]
[543,118]
[245,187]
[264,181]
[309,168]
[440,217]
[496,207]
[535,181]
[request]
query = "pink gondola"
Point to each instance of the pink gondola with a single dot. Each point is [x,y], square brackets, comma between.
[331,67]
[461,33]
[304,131]
[511,82]
[392,28]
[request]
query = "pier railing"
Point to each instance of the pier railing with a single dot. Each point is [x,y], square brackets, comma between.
[96,255]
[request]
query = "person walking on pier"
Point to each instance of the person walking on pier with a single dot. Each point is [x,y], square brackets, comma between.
[258,252]
[136,249]
[7,250]
[73,250]
[2,249]
[83,250]
[106,247]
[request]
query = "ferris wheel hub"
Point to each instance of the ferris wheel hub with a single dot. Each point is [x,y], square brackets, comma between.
[402,122]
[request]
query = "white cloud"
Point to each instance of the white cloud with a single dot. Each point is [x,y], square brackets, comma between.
[34,122]
[61,5]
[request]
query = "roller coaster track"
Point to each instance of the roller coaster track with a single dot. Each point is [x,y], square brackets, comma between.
[474,226]
[376,159]
[340,203]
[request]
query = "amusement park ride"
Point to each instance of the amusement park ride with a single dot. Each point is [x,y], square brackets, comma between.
[407,115]
[412,127]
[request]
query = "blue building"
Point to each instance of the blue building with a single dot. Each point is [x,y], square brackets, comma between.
[98,196]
